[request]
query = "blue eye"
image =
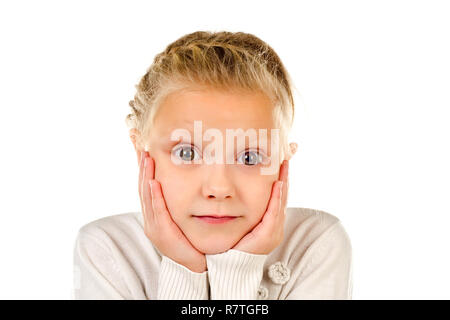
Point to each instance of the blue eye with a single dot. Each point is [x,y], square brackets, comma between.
[186,153]
[251,158]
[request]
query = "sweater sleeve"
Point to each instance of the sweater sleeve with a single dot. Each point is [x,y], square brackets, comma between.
[176,282]
[235,275]
[96,276]
[327,273]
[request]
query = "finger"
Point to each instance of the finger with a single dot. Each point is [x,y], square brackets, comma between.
[285,178]
[145,187]
[284,168]
[141,174]
[279,231]
[269,224]
[274,202]
[278,224]
[151,167]
[160,212]
[139,157]
[164,223]
[141,165]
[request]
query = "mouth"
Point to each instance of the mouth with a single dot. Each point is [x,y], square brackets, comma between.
[214,219]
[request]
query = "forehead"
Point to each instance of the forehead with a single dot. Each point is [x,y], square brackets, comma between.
[216,109]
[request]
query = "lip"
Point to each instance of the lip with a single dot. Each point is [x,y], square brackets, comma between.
[213,219]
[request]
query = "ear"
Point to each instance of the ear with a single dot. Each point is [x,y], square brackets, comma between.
[134,134]
[292,150]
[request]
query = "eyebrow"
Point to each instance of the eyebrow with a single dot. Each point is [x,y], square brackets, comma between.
[190,127]
[168,133]
[189,123]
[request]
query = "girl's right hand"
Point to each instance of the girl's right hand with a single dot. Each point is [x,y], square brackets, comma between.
[159,226]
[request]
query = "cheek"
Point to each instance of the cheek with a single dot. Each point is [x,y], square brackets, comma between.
[177,192]
[173,196]
[257,198]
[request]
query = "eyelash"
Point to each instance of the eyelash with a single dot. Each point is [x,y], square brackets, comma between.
[261,156]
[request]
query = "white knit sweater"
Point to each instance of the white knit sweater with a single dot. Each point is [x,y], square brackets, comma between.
[113,259]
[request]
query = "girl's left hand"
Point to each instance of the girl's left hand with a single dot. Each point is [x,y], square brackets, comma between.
[268,234]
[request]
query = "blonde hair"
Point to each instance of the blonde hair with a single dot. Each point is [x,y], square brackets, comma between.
[222,60]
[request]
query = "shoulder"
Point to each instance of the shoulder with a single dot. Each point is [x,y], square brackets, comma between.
[111,226]
[316,256]
[116,233]
[313,221]
[306,229]
[113,258]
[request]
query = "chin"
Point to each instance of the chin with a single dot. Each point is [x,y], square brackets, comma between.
[215,250]
[213,247]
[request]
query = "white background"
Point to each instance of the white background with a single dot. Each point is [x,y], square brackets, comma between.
[372,115]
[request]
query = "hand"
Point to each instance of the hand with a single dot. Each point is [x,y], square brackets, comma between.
[159,227]
[268,234]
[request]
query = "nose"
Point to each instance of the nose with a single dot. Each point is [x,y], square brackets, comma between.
[218,184]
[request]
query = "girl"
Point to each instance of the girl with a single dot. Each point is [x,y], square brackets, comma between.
[209,229]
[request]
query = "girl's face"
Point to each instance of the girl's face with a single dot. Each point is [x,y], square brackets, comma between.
[222,189]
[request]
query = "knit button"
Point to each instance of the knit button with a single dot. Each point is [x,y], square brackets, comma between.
[263,293]
[279,273]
